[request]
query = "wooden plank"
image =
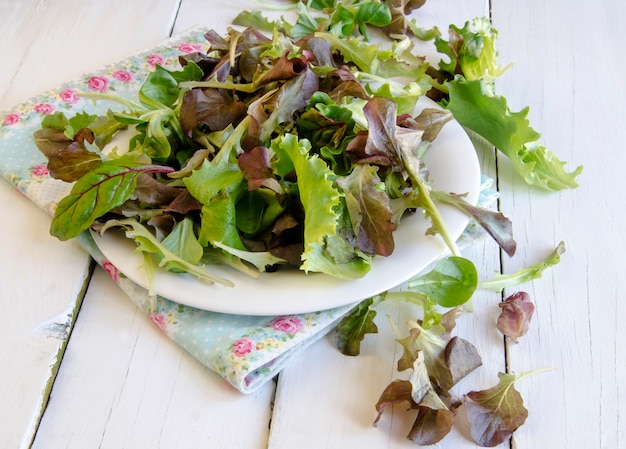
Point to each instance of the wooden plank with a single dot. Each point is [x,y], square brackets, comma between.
[565,63]
[327,400]
[39,292]
[124,384]
[42,278]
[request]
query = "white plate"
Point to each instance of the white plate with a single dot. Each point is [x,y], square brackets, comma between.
[453,167]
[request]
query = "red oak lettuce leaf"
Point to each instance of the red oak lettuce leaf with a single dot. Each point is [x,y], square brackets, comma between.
[369,210]
[257,170]
[381,114]
[153,192]
[494,414]
[68,159]
[283,69]
[184,203]
[431,425]
[515,315]
[214,108]
[396,392]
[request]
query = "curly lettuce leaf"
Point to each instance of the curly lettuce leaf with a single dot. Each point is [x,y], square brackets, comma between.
[325,250]
[510,132]
[471,50]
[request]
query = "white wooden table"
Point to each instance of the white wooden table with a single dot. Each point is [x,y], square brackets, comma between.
[82,367]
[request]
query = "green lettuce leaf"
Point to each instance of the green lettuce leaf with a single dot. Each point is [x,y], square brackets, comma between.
[510,132]
[217,186]
[324,249]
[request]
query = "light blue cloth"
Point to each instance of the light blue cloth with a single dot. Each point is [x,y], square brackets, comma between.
[245,350]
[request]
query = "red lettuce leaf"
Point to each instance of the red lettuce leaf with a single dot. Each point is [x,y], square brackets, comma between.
[515,315]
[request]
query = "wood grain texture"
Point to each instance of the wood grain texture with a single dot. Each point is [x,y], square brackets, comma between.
[41,286]
[564,71]
[122,384]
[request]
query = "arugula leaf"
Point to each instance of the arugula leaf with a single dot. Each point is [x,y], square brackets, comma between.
[502,281]
[97,192]
[148,243]
[510,132]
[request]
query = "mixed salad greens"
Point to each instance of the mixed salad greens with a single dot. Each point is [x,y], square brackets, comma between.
[299,143]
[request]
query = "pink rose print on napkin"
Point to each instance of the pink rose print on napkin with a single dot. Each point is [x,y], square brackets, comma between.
[159,319]
[43,108]
[188,47]
[123,75]
[69,96]
[40,170]
[98,83]
[11,119]
[111,270]
[288,325]
[155,59]
[243,347]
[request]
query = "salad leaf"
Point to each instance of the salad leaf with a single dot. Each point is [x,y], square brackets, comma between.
[516,312]
[433,422]
[369,210]
[353,327]
[472,50]
[217,186]
[510,132]
[502,281]
[97,192]
[147,243]
[68,159]
[495,223]
[182,241]
[324,250]
[495,413]
[451,282]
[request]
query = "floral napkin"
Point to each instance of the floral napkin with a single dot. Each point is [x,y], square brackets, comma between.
[245,350]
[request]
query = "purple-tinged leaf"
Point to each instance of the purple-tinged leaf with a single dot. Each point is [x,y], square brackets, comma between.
[515,315]
[369,210]
[396,392]
[494,414]
[68,159]
[153,192]
[498,226]
[431,425]
[461,358]
[102,189]
[211,107]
